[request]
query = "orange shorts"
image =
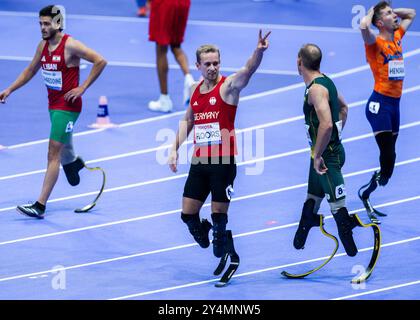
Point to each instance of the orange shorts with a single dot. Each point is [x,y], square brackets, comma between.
[168,20]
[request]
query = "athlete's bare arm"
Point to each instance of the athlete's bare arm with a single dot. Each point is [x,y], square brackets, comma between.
[368,36]
[26,75]
[185,127]
[343,109]
[407,16]
[318,97]
[76,51]
[235,83]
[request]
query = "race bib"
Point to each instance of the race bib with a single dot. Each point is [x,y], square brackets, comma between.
[339,125]
[207,133]
[52,79]
[308,135]
[69,127]
[374,107]
[396,70]
[340,191]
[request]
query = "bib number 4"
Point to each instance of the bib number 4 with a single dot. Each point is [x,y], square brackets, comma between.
[374,107]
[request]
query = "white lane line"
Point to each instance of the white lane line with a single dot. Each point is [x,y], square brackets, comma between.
[169,212]
[154,149]
[206,23]
[179,176]
[192,284]
[245,98]
[143,183]
[134,64]
[179,247]
[163,147]
[402,285]
[332,76]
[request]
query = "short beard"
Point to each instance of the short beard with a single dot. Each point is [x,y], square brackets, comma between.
[51,35]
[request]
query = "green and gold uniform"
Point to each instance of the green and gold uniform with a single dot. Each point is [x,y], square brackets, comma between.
[331,184]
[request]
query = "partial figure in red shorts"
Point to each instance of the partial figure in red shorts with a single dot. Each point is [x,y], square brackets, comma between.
[168,20]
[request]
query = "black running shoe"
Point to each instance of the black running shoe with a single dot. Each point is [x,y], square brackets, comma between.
[200,232]
[72,171]
[31,210]
[308,220]
[345,225]
[202,237]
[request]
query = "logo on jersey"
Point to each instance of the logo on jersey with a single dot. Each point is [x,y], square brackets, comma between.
[49,66]
[43,59]
[212,101]
[206,115]
[195,104]
[56,58]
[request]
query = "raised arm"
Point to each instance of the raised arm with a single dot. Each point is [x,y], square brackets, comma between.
[318,97]
[368,36]
[236,82]
[26,75]
[79,50]
[407,16]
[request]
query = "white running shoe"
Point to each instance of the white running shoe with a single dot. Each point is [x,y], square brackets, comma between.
[188,82]
[164,104]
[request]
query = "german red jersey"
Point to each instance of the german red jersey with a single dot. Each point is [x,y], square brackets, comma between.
[214,123]
[58,78]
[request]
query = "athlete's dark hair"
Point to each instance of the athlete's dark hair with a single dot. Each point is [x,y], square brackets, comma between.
[377,11]
[52,11]
[311,56]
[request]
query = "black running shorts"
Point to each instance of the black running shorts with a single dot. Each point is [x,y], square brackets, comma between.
[215,175]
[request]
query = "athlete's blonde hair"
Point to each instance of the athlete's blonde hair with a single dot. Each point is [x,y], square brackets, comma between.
[206,48]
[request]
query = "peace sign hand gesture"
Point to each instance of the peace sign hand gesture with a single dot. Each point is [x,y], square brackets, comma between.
[262,41]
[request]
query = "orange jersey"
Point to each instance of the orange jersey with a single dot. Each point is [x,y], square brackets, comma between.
[387,64]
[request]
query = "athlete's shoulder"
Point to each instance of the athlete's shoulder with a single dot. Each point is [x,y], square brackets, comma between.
[70,41]
[317,91]
[74,46]
[195,85]
[399,33]
[41,44]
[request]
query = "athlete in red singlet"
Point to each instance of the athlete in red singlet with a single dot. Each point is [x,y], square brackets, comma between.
[211,114]
[167,24]
[58,56]
[59,78]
